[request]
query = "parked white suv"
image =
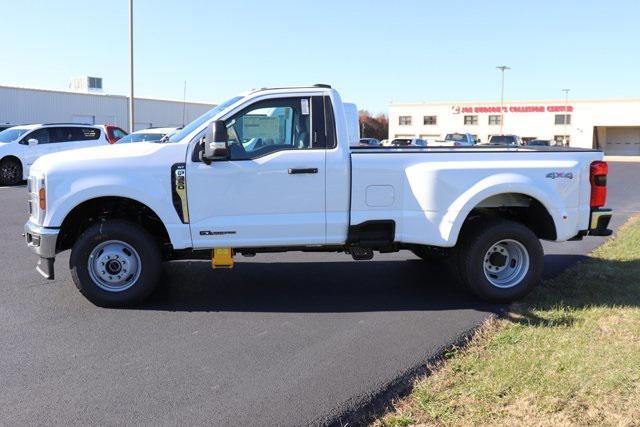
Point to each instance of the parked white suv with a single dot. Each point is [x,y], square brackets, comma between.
[20,146]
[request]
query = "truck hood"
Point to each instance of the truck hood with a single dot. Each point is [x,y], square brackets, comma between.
[109,157]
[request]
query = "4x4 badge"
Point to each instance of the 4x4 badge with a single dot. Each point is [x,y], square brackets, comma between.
[554,175]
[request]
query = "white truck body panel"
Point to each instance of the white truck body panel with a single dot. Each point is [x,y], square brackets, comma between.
[429,194]
[353,123]
[90,173]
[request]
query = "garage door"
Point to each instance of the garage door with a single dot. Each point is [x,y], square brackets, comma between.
[623,141]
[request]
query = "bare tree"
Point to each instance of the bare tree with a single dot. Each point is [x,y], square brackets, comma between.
[373,127]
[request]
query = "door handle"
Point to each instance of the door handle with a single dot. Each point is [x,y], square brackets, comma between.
[302,170]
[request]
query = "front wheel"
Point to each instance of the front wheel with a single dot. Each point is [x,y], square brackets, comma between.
[115,263]
[500,260]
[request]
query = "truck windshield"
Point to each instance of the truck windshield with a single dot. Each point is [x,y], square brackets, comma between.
[12,134]
[178,136]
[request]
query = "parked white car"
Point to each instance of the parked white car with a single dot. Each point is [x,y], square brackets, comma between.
[147,135]
[20,146]
[272,170]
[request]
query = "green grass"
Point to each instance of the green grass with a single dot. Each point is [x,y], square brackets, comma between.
[568,355]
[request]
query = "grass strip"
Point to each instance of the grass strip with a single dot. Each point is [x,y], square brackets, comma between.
[567,355]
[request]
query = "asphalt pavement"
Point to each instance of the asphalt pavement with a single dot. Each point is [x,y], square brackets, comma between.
[282,339]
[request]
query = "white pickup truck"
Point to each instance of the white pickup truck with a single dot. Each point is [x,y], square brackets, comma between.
[272,170]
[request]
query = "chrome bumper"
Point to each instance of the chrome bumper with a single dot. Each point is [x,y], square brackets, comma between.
[42,241]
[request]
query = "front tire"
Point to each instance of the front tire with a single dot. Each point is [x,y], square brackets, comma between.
[10,171]
[115,263]
[499,260]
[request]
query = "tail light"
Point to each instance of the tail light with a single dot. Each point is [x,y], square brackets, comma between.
[598,178]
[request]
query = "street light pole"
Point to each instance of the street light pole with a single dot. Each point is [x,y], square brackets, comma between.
[502,68]
[184,102]
[566,114]
[131,119]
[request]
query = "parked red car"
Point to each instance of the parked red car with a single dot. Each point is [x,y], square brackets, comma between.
[113,133]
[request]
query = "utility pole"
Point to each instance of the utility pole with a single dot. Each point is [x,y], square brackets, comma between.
[566,116]
[184,102]
[502,68]
[131,119]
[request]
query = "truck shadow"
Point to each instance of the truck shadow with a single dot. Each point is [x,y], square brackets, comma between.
[318,287]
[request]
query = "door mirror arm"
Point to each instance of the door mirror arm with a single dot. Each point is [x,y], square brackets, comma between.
[216,142]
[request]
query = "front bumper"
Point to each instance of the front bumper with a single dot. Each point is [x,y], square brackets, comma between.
[42,241]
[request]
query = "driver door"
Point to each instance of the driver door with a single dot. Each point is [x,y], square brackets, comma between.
[271,189]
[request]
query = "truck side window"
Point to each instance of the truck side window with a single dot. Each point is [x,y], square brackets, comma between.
[268,126]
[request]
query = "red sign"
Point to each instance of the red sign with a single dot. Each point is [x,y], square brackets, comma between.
[514,109]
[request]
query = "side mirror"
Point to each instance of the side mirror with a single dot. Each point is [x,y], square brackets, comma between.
[32,142]
[216,142]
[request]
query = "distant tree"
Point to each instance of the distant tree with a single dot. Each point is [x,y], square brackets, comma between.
[373,127]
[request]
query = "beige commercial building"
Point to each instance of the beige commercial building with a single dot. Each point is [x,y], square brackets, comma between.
[610,125]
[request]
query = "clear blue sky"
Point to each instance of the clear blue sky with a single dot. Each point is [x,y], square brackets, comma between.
[374,52]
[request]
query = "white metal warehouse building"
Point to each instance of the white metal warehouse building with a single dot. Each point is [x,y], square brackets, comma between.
[20,105]
[610,125]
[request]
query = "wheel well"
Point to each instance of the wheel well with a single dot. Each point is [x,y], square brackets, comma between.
[92,211]
[13,158]
[517,207]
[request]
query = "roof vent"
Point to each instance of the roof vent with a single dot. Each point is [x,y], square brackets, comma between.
[324,85]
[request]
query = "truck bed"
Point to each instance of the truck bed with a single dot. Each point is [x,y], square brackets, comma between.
[429,197]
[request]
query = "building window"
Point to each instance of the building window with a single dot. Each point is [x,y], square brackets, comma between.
[430,120]
[563,119]
[495,120]
[564,140]
[95,83]
[470,120]
[404,121]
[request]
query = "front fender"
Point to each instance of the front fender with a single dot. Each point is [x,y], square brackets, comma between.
[64,196]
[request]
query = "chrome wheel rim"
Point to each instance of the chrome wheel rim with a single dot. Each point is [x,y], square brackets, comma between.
[506,263]
[114,266]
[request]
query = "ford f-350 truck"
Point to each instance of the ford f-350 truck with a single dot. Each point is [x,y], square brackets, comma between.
[272,170]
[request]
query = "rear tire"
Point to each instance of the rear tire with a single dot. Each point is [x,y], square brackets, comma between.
[10,171]
[499,260]
[115,263]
